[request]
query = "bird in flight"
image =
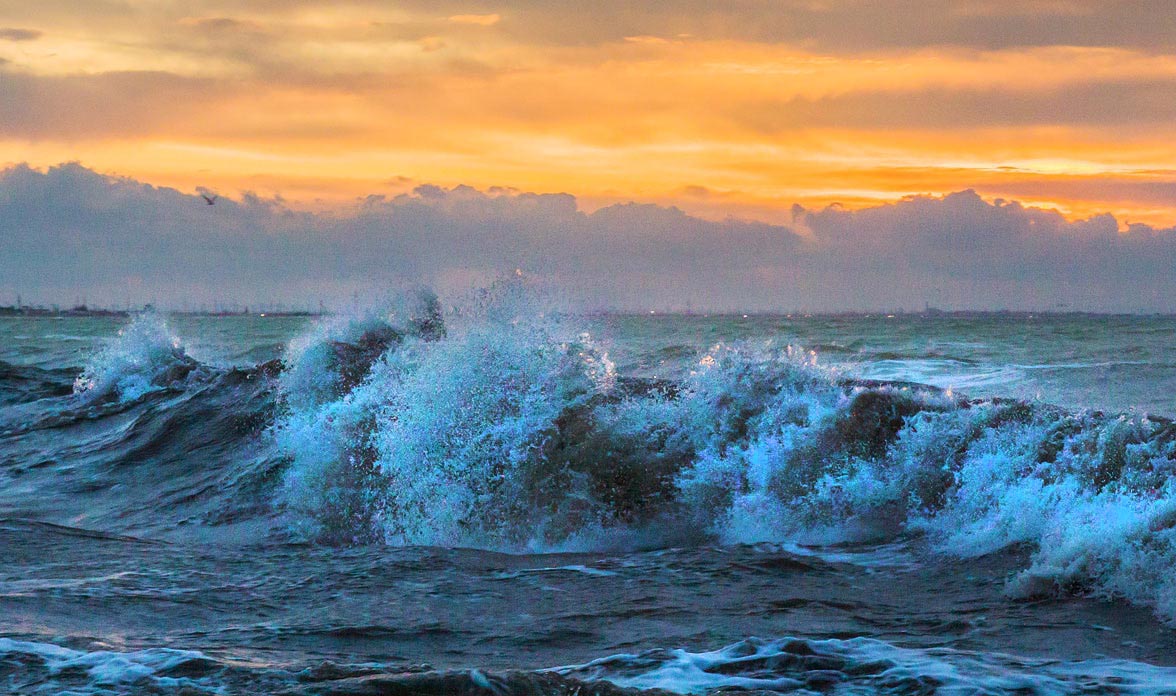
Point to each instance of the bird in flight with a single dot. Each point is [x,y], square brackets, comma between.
[209,199]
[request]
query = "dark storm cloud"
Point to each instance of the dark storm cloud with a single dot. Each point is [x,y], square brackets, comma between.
[69,232]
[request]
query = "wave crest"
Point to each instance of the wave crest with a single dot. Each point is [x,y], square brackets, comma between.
[145,357]
[507,430]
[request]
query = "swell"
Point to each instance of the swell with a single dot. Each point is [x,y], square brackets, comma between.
[23,383]
[509,430]
[785,665]
[496,425]
[144,440]
[863,665]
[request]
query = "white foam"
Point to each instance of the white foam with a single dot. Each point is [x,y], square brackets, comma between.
[575,568]
[134,363]
[106,668]
[444,443]
[449,427]
[863,666]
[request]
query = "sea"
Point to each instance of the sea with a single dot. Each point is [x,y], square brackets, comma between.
[493,495]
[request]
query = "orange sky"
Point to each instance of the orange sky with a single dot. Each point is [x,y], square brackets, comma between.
[737,111]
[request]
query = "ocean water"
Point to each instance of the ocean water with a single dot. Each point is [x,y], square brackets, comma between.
[492,497]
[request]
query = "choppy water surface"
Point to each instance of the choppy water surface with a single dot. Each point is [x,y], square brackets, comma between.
[485,499]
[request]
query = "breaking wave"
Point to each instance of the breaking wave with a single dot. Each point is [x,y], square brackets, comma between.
[143,440]
[145,357]
[497,425]
[505,428]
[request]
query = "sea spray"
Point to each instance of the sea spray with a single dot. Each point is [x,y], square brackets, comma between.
[509,430]
[159,492]
[512,432]
[145,356]
[432,445]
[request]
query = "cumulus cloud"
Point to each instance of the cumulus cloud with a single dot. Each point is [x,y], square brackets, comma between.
[70,232]
[962,251]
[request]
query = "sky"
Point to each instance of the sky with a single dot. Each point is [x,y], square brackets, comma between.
[1021,141]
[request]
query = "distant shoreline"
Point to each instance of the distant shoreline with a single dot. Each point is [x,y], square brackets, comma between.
[922,314]
[84,311]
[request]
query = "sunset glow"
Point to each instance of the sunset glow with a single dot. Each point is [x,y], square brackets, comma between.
[740,112]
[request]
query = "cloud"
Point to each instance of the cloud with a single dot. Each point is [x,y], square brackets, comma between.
[69,231]
[774,100]
[1099,103]
[962,251]
[482,20]
[13,34]
[75,107]
[1109,189]
[220,26]
[844,25]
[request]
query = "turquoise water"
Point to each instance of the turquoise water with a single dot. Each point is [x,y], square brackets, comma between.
[1113,363]
[499,501]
